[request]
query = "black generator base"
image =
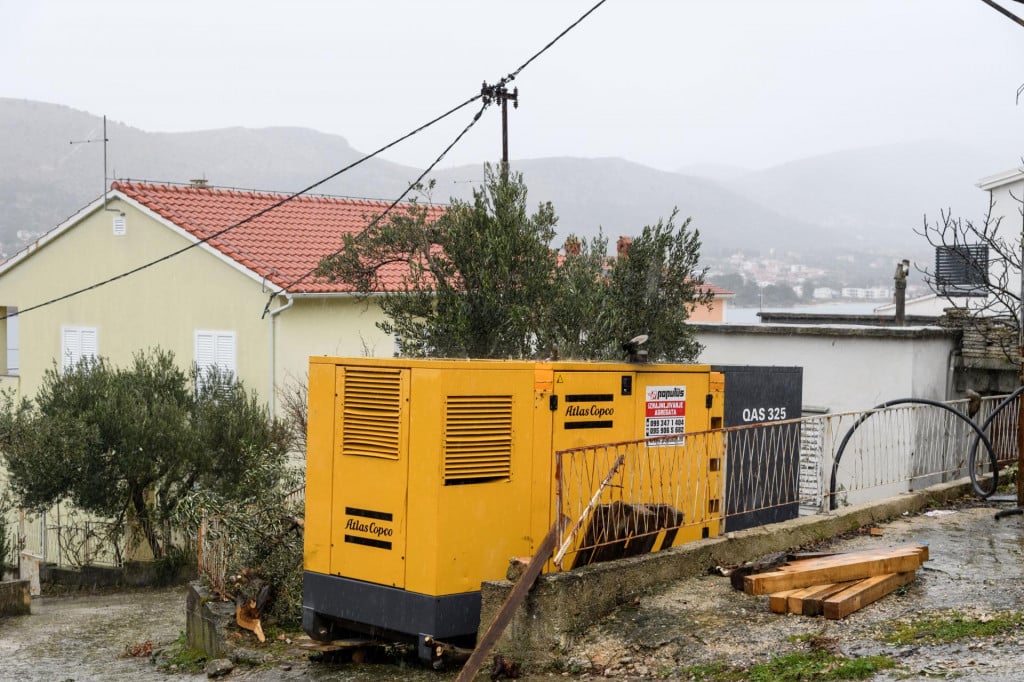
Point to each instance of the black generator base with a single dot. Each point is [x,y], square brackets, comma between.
[332,604]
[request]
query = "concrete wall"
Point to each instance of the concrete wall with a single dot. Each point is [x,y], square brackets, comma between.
[846,368]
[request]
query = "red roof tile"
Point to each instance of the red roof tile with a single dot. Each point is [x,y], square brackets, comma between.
[281,245]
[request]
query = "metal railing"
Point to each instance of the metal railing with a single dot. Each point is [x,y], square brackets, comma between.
[68,538]
[634,497]
[216,554]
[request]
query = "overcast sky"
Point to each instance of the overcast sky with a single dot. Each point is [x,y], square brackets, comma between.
[667,83]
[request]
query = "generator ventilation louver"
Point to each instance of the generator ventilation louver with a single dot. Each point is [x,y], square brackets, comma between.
[477,439]
[372,413]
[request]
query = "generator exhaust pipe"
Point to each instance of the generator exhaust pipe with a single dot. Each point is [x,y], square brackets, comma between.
[633,351]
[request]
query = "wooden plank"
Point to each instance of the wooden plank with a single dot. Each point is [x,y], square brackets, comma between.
[847,601]
[776,581]
[508,608]
[850,557]
[778,601]
[808,601]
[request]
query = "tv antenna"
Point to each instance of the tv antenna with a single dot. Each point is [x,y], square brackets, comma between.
[104,140]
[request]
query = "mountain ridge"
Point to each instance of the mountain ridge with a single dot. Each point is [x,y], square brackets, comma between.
[854,200]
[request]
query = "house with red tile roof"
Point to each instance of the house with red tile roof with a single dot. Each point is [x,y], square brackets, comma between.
[204,265]
[716,311]
[218,276]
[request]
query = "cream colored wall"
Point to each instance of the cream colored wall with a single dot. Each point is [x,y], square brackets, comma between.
[162,305]
[334,326]
[3,341]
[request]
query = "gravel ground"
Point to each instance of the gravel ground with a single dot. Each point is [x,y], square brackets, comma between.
[976,567]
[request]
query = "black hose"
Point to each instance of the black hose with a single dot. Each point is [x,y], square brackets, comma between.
[972,458]
[903,401]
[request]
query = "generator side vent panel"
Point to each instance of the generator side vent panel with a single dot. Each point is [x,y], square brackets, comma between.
[372,413]
[477,439]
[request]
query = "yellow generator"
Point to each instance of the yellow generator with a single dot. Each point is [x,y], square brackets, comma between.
[424,477]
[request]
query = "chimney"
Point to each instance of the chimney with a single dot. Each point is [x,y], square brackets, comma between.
[902,270]
[198,183]
[622,246]
[572,246]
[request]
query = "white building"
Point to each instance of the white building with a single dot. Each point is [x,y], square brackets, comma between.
[846,367]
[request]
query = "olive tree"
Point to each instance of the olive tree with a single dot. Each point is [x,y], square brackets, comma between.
[127,444]
[482,280]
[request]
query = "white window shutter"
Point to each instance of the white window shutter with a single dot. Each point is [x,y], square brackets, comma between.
[205,350]
[88,343]
[77,343]
[215,349]
[70,349]
[225,354]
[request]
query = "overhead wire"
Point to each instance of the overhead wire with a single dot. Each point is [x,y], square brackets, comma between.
[386,211]
[1005,12]
[509,77]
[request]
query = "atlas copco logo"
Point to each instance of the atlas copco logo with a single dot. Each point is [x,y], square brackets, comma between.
[666,393]
[589,411]
[368,528]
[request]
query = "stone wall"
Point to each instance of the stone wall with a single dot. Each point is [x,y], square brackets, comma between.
[132,574]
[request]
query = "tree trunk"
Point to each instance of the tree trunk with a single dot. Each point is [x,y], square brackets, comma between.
[146,524]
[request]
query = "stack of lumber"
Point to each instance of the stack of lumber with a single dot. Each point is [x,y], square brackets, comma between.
[836,585]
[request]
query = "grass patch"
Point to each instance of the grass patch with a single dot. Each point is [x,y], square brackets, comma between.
[818,665]
[180,657]
[953,626]
[796,667]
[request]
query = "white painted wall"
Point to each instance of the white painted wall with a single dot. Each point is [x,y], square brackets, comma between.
[930,304]
[1006,192]
[845,368]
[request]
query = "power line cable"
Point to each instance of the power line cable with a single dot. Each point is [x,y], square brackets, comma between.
[245,220]
[511,76]
[377,219]
[1005,12]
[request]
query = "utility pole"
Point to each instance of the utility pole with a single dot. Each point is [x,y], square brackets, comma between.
[499,93]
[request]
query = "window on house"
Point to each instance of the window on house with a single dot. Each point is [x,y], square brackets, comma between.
[961,270]
[215,349]
[77,344]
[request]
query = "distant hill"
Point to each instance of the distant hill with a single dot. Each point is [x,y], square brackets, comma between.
[621,197]
[718,172]
[866,200]
[877,196]
[44,179]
